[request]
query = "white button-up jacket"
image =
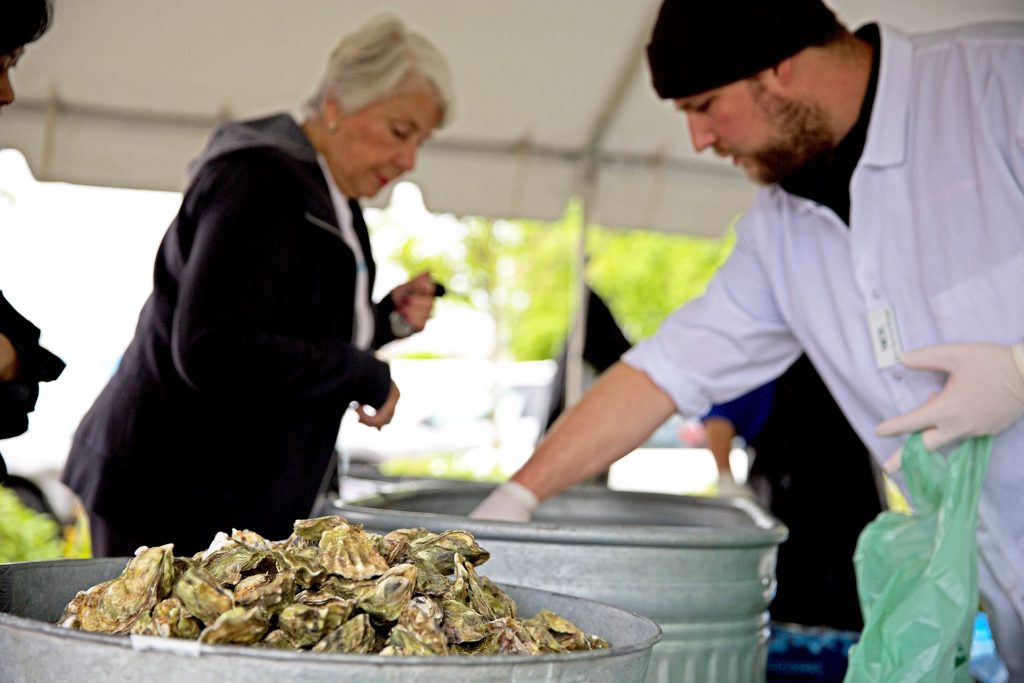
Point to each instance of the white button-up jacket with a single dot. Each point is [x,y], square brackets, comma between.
[936,234]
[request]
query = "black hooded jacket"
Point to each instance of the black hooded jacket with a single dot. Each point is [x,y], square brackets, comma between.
[226,406]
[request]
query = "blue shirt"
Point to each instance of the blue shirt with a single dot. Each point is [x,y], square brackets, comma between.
[747,413]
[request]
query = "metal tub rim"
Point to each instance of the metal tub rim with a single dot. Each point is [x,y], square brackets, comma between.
[766,530]
[192,648]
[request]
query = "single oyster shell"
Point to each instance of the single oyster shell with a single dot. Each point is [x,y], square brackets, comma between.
[113,606]
[500,602]
[306,624]
[393,551]
[408,535]
[202,596]
[237,626]
[310,530]
[436,552]
[416,633]
[462,624]
[355,636]
[480,593]
[270,591]
[568,635]
[168,619]
[503,637]
[317,598]
[305,569]
[347,588]
[228,563]
[430,606]
[394,546]
[348,551]
[431,582]
[391,592]
[251,539]
[278,640]
[508,637]
[543,637]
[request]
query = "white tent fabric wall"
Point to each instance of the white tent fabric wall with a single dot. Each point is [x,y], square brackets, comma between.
[553,100]
[124,92]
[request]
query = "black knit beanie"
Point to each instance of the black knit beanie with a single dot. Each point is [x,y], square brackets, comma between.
[698,45]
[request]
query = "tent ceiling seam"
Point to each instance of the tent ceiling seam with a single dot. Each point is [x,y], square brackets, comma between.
[515,150]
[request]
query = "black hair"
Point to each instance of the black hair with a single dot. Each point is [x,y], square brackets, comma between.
[23,23]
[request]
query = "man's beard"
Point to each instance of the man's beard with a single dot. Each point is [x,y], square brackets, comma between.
[802,137]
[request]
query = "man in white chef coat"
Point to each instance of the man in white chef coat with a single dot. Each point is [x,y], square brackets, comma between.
[886,243]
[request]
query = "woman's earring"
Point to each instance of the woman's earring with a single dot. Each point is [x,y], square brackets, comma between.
[332,126]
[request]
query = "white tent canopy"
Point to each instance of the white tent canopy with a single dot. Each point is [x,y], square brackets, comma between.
[553,98]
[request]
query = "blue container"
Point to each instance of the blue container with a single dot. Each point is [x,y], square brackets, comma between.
[800,653]
[985,665]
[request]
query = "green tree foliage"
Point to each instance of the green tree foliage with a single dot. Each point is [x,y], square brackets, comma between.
[24,533]
[644,276]
[522,273]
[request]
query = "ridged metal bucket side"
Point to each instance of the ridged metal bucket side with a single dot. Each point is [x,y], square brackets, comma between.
[669,585]
[703,569]
[734,651]
[33,649]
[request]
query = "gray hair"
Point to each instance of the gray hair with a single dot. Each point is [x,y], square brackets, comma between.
[381,60]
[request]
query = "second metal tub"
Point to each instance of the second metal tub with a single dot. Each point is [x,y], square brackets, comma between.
[703,568]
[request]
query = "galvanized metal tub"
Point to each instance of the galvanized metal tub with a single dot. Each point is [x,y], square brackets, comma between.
[32,648]
[703,568]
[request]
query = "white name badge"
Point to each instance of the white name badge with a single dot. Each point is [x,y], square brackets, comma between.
[885,338]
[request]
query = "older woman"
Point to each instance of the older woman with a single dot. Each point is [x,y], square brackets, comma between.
[260,330]
[23,362]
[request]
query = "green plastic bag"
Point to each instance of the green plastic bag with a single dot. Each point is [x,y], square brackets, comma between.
[917,573]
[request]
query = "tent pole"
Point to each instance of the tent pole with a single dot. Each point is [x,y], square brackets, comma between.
[574,352]
[631,69]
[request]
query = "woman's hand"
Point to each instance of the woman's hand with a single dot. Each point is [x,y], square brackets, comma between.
[8,360]
[414,300]
[382,415]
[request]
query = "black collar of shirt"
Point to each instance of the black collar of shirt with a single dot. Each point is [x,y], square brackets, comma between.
[827,180]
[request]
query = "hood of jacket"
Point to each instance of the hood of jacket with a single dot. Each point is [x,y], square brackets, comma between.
[279,131]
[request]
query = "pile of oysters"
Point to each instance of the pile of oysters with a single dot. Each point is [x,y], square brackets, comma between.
[329,587]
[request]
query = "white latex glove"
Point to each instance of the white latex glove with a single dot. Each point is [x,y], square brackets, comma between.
[984,394]
[510,502]
[728,488]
